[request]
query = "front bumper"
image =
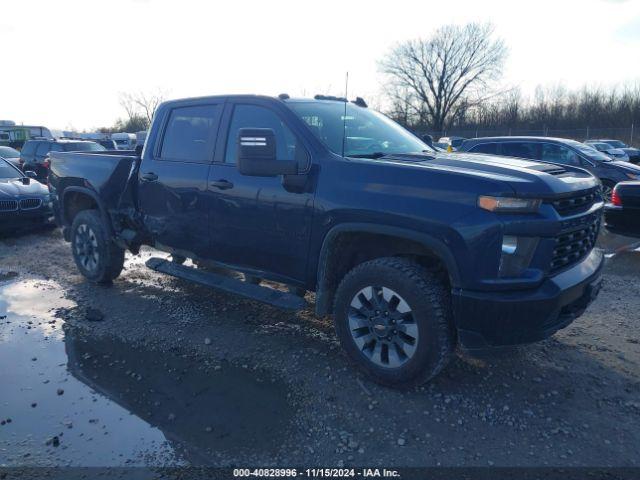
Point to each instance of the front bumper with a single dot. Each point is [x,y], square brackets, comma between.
[19,218]
[501,318]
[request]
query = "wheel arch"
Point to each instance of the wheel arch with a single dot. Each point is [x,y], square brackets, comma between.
[347,245]
[77,199]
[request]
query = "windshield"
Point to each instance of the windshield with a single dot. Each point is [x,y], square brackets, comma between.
[8,152]
[7,171]
[590,152]
[368,133]
[83,147]
[617,144]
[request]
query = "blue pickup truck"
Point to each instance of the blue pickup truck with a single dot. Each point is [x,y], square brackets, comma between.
[413,251]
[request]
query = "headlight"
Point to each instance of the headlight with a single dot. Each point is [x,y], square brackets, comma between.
[509,205]
[516,256]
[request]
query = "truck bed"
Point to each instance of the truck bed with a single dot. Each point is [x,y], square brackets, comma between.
[106,175]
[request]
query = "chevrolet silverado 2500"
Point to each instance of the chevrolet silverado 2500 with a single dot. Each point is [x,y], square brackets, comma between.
[413,251]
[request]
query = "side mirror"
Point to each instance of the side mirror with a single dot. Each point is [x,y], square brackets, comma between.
[256,155]
[138,150]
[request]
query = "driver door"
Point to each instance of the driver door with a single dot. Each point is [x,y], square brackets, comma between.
[257,223]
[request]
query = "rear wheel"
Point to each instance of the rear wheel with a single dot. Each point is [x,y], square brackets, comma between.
[96,256]
[393,318]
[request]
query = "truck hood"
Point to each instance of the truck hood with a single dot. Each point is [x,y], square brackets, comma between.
[526,178]
[13,187]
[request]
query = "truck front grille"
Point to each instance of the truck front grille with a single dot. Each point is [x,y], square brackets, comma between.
[8,205]
[30,203]
[577,203]
[573,246]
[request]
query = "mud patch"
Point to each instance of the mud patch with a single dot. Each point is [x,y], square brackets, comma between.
[69,398]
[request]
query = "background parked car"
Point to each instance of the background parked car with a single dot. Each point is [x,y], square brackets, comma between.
[34,154]
[22,200]
[11,155]
[622,215]
[632,153]
[107,143]
[454,142]
[125,141]
[614,153]
[561,151]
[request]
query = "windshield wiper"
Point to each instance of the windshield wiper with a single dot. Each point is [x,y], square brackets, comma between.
[368,155]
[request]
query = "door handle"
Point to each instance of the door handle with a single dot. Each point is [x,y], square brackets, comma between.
[222,184]
[149,177]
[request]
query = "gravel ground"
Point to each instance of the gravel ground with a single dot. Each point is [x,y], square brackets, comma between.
[156,371]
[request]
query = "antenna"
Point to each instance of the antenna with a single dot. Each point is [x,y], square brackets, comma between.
[344,118]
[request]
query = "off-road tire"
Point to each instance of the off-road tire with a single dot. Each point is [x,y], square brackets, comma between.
[430,302]
[110,257]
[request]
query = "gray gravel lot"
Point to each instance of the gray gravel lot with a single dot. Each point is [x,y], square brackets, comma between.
[157,371]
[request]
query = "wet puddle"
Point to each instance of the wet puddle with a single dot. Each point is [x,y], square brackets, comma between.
[68,398]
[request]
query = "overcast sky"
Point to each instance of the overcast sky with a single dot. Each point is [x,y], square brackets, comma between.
[64,62]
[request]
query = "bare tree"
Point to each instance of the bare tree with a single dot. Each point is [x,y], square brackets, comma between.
[451,70]
[140,104]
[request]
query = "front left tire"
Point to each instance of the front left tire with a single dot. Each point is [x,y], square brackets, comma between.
[393,318]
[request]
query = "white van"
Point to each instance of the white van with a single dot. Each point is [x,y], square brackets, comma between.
[124,141]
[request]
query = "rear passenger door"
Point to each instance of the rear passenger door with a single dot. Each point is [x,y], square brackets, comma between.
[173,178]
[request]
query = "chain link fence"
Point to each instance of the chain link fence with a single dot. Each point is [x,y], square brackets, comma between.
[625,134]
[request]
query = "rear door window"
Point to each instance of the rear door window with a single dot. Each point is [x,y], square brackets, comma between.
[520,149]
[190,134]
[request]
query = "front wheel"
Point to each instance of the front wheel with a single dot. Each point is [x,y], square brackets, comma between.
[96,256]
[393,318]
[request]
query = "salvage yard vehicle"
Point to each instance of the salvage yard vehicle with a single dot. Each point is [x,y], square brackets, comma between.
[413,251]
[11,155]
[35,153]
[125,141]
[614,153]
[622,214]
[632,153]
[23,201]
[562,151]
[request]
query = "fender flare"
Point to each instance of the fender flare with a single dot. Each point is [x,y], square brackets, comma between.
[90,193]
[438,247]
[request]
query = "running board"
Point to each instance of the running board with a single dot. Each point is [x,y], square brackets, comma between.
[230,285]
